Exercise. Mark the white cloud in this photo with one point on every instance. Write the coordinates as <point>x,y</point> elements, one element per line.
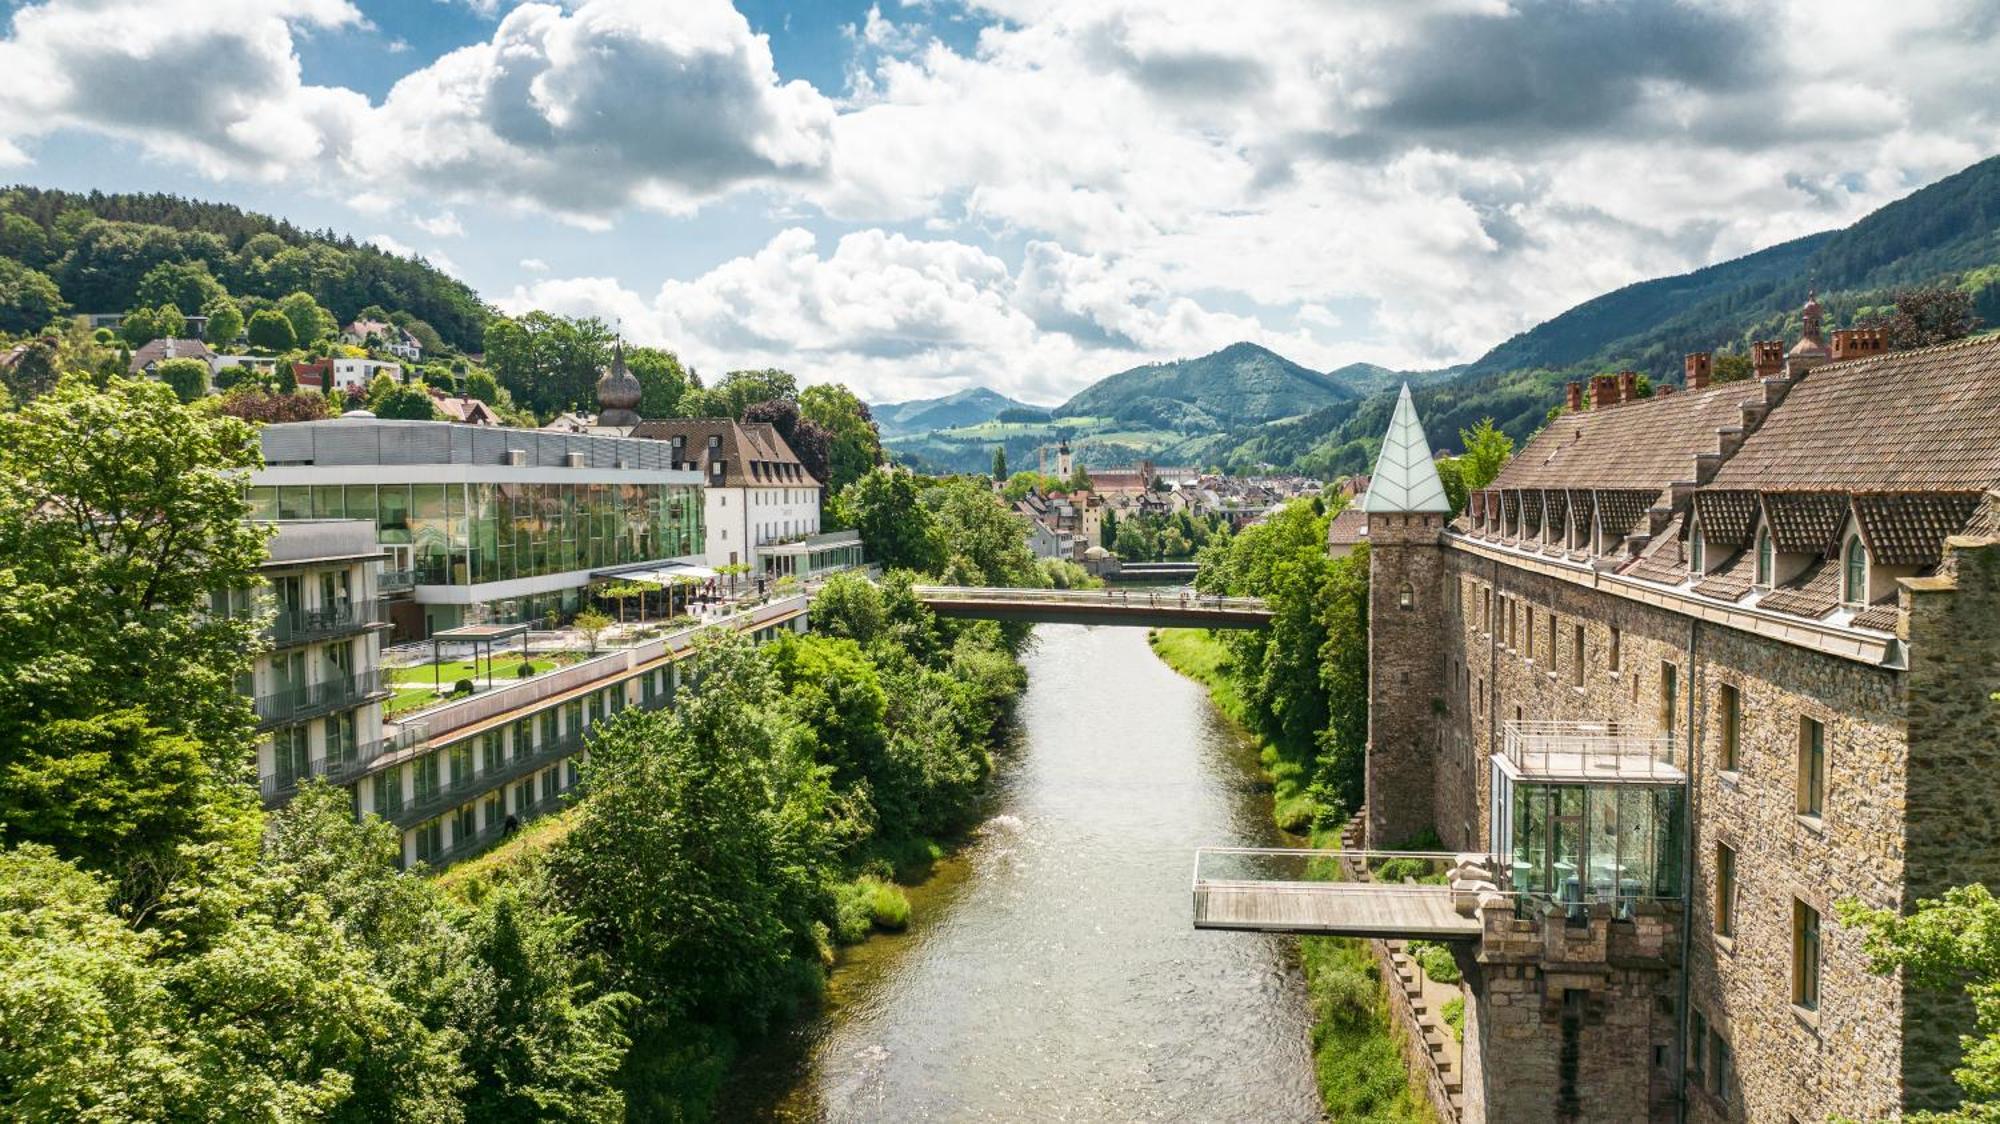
<point>534,265</point>
<point>442,225</point>
<point>390,245</point>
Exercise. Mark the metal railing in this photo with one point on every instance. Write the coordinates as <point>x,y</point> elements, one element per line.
<point>307,700</point>
<point>1590,751</point>
<point>431,801</point>
<point>396,581</point>
<point>300,626</point>
<point>1116,598</point>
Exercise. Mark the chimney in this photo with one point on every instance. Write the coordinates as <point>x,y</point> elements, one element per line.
<point>1768,358</point>
<point>1575,397</point>
<point>1700,365</point>
<point>1628,386</point>
<point>1857,343</point>
<point>1603,392</point>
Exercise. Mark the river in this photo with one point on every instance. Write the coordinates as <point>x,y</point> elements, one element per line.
<point>1050,972</point>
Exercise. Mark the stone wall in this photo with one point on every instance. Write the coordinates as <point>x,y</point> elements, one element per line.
<point>1405,673</point>
<point>1953,629</point>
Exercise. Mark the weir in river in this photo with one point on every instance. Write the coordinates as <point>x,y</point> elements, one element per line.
<point>1051,971</point>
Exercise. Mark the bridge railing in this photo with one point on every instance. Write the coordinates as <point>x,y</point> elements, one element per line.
<point>1146,598</point>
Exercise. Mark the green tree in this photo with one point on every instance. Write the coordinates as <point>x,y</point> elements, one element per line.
<point>849,606</point>
<point>1732,366</point>
<point>1487,451</point>
<point>999,464</point>
<point>1926,316</point>
<point>984,542</point>
<point>29,300</point>
<point>406,402</point>
<point>271,330</point>
<point>483,386</point>
<point>225,321</point>
<point>854,444</point>
<point>662,380</point>
<point>1950,943</point>
<point>140,327</point>
<point>187,377</point>
<point>592,624</point>
<point>33,373</point>
<point>23,240</point>
<point>120,512</point>
<point>1132,543</point>
<point>169,323</point>
<point>898,530</point>
<point>183,284</point>
<point>310,323</point>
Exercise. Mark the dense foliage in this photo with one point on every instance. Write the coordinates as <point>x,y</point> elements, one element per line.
<point>111,253</point>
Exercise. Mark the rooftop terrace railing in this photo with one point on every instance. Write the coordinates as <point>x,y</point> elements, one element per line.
<point>308,700</point>
<point>1590,751</point>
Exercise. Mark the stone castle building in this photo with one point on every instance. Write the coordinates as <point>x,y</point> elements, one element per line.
<point>1695,668</point>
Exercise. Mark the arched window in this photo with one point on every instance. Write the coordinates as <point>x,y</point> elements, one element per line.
<point>1854,572</point>
<point>1766,558</point>
<point>1696,555</point>
<point>1406,597</point>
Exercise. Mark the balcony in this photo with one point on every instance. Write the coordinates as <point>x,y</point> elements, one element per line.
<point>303,626</point>
<point>310,700</point>
<point>1589,753</point>
<point>429,802</point>
<point>396,581</point>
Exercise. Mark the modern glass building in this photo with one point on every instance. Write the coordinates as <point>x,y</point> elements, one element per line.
<point>516,521</point>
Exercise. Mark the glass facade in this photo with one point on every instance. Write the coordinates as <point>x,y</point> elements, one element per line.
<point>467,534</point>
<point>1572,843</point>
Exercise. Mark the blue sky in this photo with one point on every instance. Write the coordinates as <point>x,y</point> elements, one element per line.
<point>913,197</point>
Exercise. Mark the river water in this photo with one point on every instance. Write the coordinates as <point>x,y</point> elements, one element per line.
<point>1050,972</point>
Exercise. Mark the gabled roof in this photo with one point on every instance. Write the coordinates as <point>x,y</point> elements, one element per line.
<point>752,454</point>
<point>157,350</point>
<point>1646,444</point>
<point>1926,420</point>
<point>1405,478</point>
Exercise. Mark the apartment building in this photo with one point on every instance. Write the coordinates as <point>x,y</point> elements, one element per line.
<point>1695,668</point>
<point>483,523</point>
<point>758,494</point>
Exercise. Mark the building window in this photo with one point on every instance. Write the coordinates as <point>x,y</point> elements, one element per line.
<point>1812,767</point>
<point>1732,727</point>
<point>1576,656</point>
<point>389,792</point>
<point>1612,651</point>
<point>1725,891</point>
<point>1766,558</point>
<point>1406,597</point>
<point>291,750</point>
<point>1805,956</point>
<point>1697,555</point>
<point>1721,1063</point>
<point>1670,693</point>
<point>1854,572</point>
<point>1528,631</point>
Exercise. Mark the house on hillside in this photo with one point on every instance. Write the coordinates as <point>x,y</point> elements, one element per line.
<point>463,410</point>
<point>386,337</point>
<point>147,359</point>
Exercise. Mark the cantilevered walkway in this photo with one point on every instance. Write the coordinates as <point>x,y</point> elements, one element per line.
<point>1144,608</point>
<point>1334,893</point>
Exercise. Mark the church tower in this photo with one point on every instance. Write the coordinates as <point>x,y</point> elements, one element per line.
<point>1406,511</point>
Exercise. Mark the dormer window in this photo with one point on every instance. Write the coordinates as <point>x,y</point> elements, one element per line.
<point>1697,556</point>
<point>1854,572</point>
<point>715,441</point>
<point>1766,558</point>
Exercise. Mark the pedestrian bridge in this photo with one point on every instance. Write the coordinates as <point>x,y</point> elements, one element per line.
<point>1143,608</point>
<point>1384,894</point>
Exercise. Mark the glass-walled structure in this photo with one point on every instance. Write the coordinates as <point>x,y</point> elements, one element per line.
<point>472,533</point>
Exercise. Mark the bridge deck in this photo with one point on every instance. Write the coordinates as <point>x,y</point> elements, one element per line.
<point>1143,608</point>
<point>1347,909</point>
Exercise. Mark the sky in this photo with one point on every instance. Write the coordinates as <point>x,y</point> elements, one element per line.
<point>917,196</point>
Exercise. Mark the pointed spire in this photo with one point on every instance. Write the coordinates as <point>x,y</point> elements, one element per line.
<point>1405,479</point>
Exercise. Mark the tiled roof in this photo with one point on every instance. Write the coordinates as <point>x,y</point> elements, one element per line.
<point>1510,503</point>
<point>1805,522</point>
<point>1555,513</point>
<point>1649,443</point>
<point>1984,522</point>
<point>1725,515</point>
<point>1731,580</point>
<point>1912,421</point>
<point>1880,616</point>
<point>1813,594</point>
<point>158,350</point>
<point>1349,527</point>
<point>1582,511</point>
<point>1909,529</point>
<point>1663,560</point>
<point>1619,511</point>
<point>752,454</point>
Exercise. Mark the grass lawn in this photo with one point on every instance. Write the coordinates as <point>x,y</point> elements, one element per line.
<point>538,834</point>
<point>416,687</point>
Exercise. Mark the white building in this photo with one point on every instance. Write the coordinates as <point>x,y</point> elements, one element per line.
<point>758,494</point>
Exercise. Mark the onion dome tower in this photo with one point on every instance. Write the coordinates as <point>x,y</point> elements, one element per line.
<point>618,392</point>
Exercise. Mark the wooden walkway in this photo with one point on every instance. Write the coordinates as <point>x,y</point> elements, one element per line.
<point>1346,909</point>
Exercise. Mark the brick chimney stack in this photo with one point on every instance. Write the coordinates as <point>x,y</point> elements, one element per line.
<point>1857,343</point>
<point>1603,392</point>
<point>1575,397</point>
<point>1768,358</point>
<point>1628,386</point>
<point>1700,365</point>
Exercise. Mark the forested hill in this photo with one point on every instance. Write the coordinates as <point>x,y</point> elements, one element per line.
<point>1945,234</point>
<point>96,248</point>
<point>1242,383</point>
<point>966,407</point>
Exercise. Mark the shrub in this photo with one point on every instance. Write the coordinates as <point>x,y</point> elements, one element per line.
<point>525,670</point>
<point>1454,1016</point>
<point>868,903</point>
<point>1436,961</point>
<point>888,906</point>
<point>462,687</point>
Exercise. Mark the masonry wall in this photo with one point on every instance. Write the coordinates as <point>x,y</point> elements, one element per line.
<point>1405,673</point>
<point>1844,1058</point>
<point>1953,629</point>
